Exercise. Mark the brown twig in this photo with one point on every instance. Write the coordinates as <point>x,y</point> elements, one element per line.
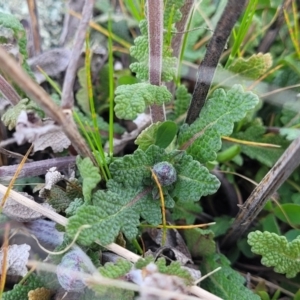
<point>67,100</point>
<point>8,91</point>
<point>155,36</point>
<point>16,73</point>
<point>213,53</point>
<point>34,21</point>
<point>37,168</point>
<point>283,168</point>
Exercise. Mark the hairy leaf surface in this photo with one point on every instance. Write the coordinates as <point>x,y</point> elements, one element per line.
<point>115,270</point>
<point>276,252</point>
<point>202,139</point>
<point>140,51</point>
<point>200,241</point>
<point>226,283</point>
<point>193,179</point>
<point>253,67</point>
<point>148,136</point>
<point>182,101</point>
<point>133,98</point>
<point>115,210</point>
<point>266,156</point>
<point>90,176</point>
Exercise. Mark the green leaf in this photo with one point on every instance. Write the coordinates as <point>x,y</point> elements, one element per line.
<point>115,270</point>
<point>266,156</point>
<point>253,67</point>
<point>290,133</point>
<point>13,33</point>
<point>132,99</point>
<point>289,210</point>
<point>160,134</point>
<point>182,102</point>
<point>147,137</point>
<point>193,181</point>
<point>202,139</point>
<point>82,94</point>
<point>187,210</point>
<point>222,225</point>
<point>74,205</point>
<point>292,234</point>
<point>290,113</point>
<point>118,209</point>
<point>276,252</point>
<point>165,134</point>
<point>11,115</point>
<point>90,176</point>
<point>140,51</point>
<point>172,12</point>
<point>20,291</point>
<point>228,154</point>
<point>132,170</point>
<point>226,283</point>
<point>58,199</point>
<point>270,223</point>
<point>199,18</point>
<point>200,241</point>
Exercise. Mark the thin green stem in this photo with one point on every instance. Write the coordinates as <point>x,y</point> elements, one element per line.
<point>96,137</point>
<point>239,37</point>
<point>135,9</point>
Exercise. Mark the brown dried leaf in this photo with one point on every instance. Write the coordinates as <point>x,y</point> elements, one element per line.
<point>21,213</point>
<point>30,128</point>
<point>52,62</point>
<point>57,140</point>
<point>39,294</point>
<point>173,240</point>
<point>17,258</point>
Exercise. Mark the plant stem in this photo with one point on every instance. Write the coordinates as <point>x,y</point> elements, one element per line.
<point>34,20</point>
<point>37,168</point>
<point>8,91</point>
<point>67,101</point>
<point>283,168</point>
<point>155,36</point>
<point>214,51</point>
